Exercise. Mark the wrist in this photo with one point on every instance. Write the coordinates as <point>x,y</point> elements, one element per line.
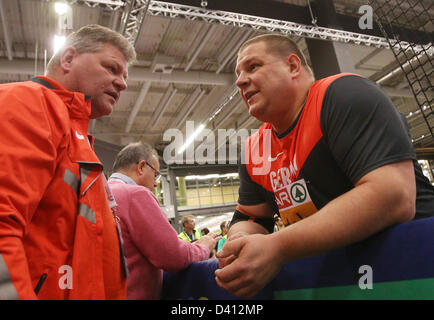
<point>282,253</point>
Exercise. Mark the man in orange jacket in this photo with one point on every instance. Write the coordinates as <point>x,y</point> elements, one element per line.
<point>58,234</point>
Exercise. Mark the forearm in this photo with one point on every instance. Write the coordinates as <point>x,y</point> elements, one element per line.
<point>350,218</point>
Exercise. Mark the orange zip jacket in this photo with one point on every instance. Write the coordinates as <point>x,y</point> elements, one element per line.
<point>57,233</point>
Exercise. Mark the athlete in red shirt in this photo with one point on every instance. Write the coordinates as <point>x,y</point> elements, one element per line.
<point>333,159</point>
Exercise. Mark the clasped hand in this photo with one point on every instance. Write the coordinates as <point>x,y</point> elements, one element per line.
<point>247,263</point>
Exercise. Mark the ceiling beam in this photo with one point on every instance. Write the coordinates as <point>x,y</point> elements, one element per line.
<point>5,26</point>
<point>204,42</point>
<point>415,59</point>
<point>244,37</point>
<point>27,67</point>
<point>162,106</point>
<point>368,57</point>
<point>217,125</point>
<point>191,103</point>
<point>138,104</point>
<point>178,76</point>
<point>397,92</point>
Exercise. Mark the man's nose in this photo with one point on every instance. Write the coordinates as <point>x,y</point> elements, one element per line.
<point>121,83</point>
<point>242,80</point>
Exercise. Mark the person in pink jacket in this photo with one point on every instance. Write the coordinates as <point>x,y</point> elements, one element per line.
<point>150,242</point>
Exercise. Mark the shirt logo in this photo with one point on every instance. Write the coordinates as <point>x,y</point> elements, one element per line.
<point>271,159</point>
<point>298,192</point>
<point>79,136</point>
<point>294,202</point>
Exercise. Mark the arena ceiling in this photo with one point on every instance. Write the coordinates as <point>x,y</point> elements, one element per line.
<point>186,57</point>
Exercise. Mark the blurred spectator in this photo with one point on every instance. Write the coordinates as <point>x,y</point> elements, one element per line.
<point>224,230</point>
<point>151,244</point>
<point>278,224</point>
<point>190,234</point>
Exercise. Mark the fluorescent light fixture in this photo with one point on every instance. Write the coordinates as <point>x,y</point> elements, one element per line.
<point>58,42</point>
<point>205,177</point>
<point>191,138</point>
<point>229,175</point>
<point>61,8</point>
<point>211,176</point>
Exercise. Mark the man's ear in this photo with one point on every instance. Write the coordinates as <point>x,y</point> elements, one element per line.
<point>294,64</point>
<point>67,58</point>
<point>140,167</point>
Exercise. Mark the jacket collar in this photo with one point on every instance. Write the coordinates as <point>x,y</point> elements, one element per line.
<point>78,104</point>
<point>122,177</point>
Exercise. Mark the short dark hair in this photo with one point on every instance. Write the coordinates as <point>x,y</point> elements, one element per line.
<point>277,43</point>
<point>132,154</point>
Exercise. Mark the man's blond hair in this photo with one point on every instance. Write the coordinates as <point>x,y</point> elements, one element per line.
<point>278,44</point>
<point>91,38</point>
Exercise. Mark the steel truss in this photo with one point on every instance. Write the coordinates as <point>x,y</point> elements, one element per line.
<point>135,10</point>
<point>109,4</point>
<point>259,23</point>
<point>133,18</point>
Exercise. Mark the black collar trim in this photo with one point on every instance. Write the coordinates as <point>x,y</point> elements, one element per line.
<point>42,82</point>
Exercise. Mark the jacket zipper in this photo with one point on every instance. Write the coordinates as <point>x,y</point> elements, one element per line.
<point>40,283</point>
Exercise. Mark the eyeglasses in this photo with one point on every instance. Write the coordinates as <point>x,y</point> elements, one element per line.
<point>156,172</point>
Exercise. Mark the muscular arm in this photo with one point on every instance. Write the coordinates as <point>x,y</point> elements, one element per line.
<point>381,198</point>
